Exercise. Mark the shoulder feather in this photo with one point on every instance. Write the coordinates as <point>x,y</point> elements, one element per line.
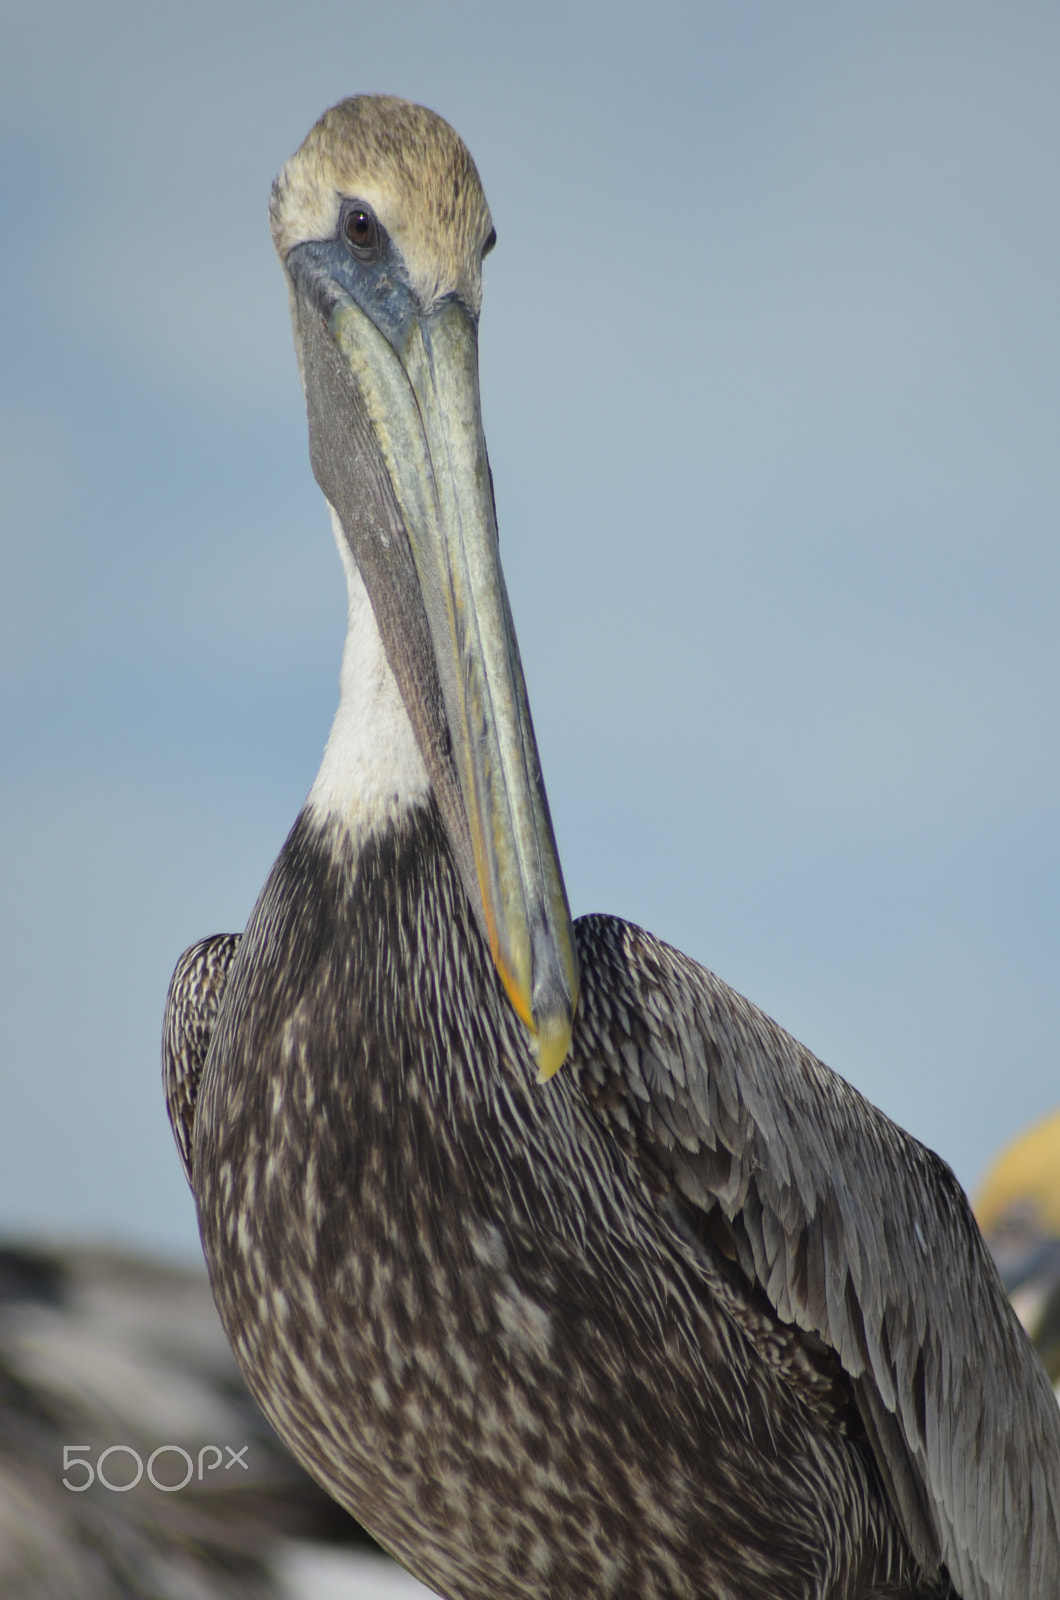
<point>195,994</point>
<point>856,1233</point>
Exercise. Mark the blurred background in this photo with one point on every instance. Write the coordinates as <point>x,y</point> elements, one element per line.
<point>771,371</point>
<point>770,358</point>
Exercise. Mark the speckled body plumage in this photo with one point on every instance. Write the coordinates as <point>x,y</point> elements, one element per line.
<point>442,1280</point>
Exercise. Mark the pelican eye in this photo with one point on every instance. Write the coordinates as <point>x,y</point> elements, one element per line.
<point>362,233</point>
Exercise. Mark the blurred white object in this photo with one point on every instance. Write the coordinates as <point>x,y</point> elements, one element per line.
<point>320,1572</point>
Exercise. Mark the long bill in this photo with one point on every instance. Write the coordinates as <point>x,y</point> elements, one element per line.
<point>397,446</point>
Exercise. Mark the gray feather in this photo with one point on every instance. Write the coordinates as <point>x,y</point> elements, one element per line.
<point>195,994</point>
<point>857,1234</point>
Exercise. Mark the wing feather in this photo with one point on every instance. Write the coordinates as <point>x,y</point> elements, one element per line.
<point>855,1232</point>
<point>194,999</point>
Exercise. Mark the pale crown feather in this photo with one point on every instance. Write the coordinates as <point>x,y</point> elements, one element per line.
<point>414,171</point>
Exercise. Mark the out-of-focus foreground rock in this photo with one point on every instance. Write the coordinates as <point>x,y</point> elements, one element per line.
<point>115,1369</point>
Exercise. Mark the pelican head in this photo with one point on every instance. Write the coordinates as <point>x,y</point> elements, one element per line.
<point>381,224</point>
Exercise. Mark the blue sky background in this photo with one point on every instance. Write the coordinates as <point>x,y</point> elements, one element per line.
<point>771,372</point>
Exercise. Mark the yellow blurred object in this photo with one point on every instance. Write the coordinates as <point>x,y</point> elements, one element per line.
<point>1025,1176</point>
<point>1018,1207</point>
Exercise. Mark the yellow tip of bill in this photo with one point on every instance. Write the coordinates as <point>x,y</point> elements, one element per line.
<point>551,1047</point>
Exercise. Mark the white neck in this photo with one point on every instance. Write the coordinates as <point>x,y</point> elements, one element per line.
<point>372,770</point>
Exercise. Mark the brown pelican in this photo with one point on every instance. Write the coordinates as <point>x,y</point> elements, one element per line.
<point>688,1318</point>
